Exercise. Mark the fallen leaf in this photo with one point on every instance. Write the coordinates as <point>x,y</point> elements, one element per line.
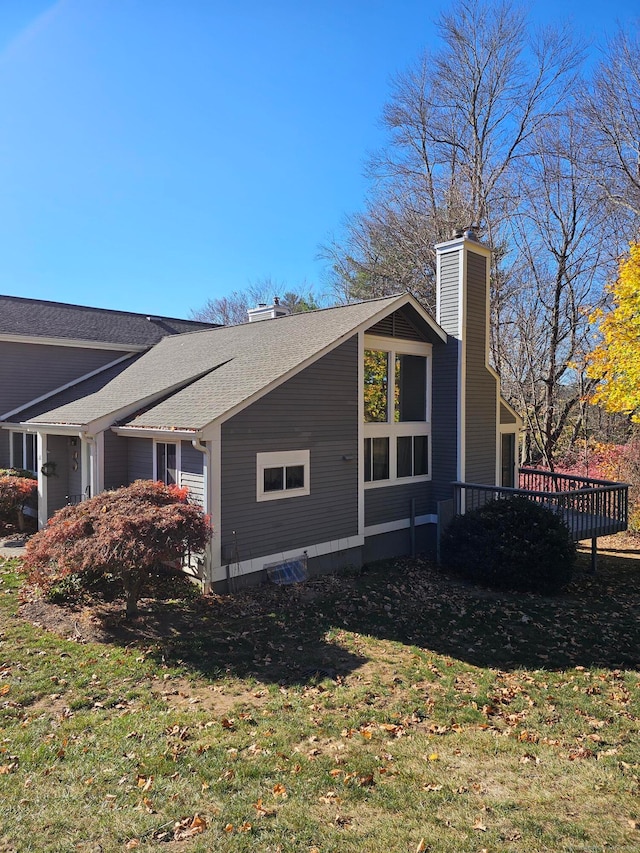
<point>479,825</point>
<point>422,846</point>
<point>279,790</point>
<point>145,782</point>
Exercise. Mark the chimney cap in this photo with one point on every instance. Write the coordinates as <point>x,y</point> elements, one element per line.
<point>468,231</point>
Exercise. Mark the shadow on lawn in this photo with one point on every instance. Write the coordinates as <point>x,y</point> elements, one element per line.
<point>281,634</point>
<point>298,634</point>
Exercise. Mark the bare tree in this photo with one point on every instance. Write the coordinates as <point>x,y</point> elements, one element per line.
<point>610,105</point>
<point>565,241</point>
<point>231,309</point>
<point>457,124</point>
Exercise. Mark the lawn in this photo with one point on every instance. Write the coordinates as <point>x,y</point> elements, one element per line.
<point>390,710</point>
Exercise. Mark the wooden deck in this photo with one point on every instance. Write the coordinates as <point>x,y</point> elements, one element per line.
<point>590,508</point>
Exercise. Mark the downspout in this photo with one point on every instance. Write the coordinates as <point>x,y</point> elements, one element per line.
<point>197,444</point>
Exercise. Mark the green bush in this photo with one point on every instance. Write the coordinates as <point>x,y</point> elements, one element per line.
<point>512,544</point>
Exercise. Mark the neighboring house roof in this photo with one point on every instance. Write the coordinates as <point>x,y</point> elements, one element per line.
<point>188,381</point>
<point>37,318</point>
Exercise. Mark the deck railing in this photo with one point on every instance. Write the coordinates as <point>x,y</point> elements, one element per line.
<point>589,507</point>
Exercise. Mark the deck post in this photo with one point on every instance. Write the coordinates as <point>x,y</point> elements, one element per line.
<point>594,555</point>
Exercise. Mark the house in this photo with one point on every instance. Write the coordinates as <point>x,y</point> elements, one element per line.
<point>46,346</point>
<point>329,436</point>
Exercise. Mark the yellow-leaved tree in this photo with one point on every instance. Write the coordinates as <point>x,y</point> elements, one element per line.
<point>616,359</point>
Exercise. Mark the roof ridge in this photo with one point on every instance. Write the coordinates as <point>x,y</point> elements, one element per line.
<point>296,314</point>
<point>103,310</point>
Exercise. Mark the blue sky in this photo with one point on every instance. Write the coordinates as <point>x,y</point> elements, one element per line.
<point>154,153</point>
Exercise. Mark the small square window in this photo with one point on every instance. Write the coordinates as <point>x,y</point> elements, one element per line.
<point>282,474</point>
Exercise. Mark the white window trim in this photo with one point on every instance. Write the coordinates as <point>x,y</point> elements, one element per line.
<point>282,459</point>
<point>391,429</point>
<point>178,444</point>
<point>12,461</point>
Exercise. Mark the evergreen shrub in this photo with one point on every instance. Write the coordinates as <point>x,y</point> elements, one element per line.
<point>511,543</point>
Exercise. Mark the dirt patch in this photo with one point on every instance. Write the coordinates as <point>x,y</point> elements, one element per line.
<point>214,616</point>
<point>619,545</point>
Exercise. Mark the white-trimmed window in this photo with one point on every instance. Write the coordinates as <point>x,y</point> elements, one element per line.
<point>166,461</point>
<point>397,411</point>
<point>24,451</point>
<point>282,474</point>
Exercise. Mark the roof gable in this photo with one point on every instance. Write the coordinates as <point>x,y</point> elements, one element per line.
<point>199,378</point>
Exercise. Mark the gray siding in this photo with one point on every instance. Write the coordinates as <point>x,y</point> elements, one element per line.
<point>139,459</point>
<point>481,387</point>
<point>394,502</point>
<point>396,325</point>
<point>444,420</point>
<point>192,472</point>
<point>58,483</point>
<point>29,370</point>
<point>74,483</point>
<point>317,410</point>
<point>450,291</point>
<point>115,460</point>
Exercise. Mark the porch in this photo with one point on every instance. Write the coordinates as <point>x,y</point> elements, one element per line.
<point>590,508</point>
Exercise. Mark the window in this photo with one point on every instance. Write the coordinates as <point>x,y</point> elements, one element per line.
<point>166,463</point>
<point>413,455</point>
<point>396,396</point>
<point>24,452</point>
<point>376,459</point>
<point>282,474</point>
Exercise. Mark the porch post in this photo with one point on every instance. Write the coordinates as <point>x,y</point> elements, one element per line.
<point>85,466</point>
<point>92,464</point>
<point>42,481</point>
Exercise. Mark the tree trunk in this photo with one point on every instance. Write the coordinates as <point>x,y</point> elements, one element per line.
<point>132,585</point>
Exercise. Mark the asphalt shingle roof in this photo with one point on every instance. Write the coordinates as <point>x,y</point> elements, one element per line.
<point>39,318</point>
<point>195,378</point>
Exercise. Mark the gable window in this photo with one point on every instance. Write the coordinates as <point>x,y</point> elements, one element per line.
<point>166,462</point>
<point>24,452</point>
<point>397,402</point>
<point>282,474</point>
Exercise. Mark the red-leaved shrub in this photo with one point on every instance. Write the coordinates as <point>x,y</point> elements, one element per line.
<point>618,462</point>
<point>15,491</point>
<point>129,532</point>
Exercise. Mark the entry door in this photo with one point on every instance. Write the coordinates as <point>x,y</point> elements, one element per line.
<point>508,458</point>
